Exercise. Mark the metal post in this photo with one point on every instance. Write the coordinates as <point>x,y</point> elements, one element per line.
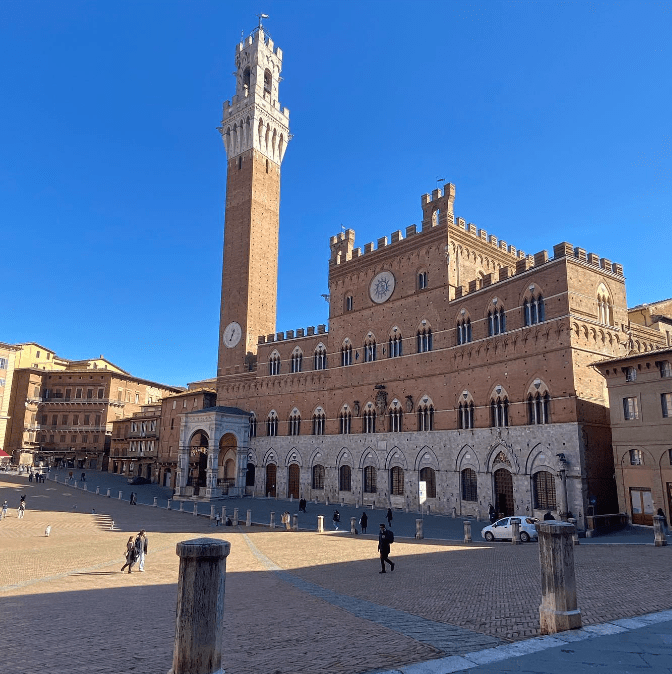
<point>419,532</point>
<point>199,625</point>
<point>467,531</point>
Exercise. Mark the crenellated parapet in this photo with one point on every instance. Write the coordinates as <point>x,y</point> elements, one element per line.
<point>293,334</point>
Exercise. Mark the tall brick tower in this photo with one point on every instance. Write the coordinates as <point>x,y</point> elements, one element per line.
<point>255,130</point>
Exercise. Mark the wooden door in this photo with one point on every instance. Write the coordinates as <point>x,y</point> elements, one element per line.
<point>504,492</point>
<point>271,473</point>
<point>293,487</point>
<point>641,503</point>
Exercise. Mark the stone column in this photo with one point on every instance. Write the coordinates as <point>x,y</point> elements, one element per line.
<point>97,490</point>
<point>248,519</point>
<point>235,517</point>
<point>467,531</point>
<point>223,514</point>
<point>182,470</point>
<point>515,532</point>
<point>168,504</point>
<point>212,512</point>
<point>108,492</point>
<point>353,525</point>
<point>575,535</point>
<point>155,504</point>
<point>558,611</point>
<point>562,510</point>
<point>419,531</point>
<point>86,488</point>
<point>120,495</point>
<point>320,524</point>
<point>659,531</point>
<point>195,509</point>
<point>200,606</point>
<point>272,523</point>
<point>181,506</point>
<point>295,522</point>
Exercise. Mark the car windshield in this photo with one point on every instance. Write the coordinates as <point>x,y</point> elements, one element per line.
<point>530,520</point>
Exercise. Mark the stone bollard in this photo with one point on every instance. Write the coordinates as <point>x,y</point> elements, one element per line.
<point>659,531</point>
<point>353,525</point>
<point>419,532</point>
<point>111,525</point>
<point>467,531</point>
<point>155,504</point>
<point>168,505</point>
<point>575,535</point>
<point>295,522</point>
<point>558,611</point>
<point>224,514</point>
<point>248,519</point>
<point>454,512</point>
<point>108,492</point>
<point>97,490</point>
<point>235,517</point>
<point>86,488</point>
<point>272,522</point>
<point>121,493</point>
<point>181,506</point>
<point>320,524</point>
<point>199,627</point>
<point>515,531</point>
<point>326,501</point>
<point>195,513</point>
<point>212,512</point>
<point>291,498</point>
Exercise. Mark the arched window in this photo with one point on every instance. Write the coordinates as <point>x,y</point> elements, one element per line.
<point>424,337</point>
<point>319,419</point>
<point>267,80</point>
<point>344,478</point>
<point>544,490</point>
<point>369,349</point>
<point>636,457</point>
<point>465,411</point>
<point>395,416</point>
<point>246,77</point>
<point>318,476</point>
<point>605,306</point>
<point>274,363</point>
<point>320,357</point>
<point>346,353</point>
<point>464,331</point>
<point>394,345</point>
<point>538,408</point>
<point>397,481</point>
<point>369,420</point>
<point>297,360</point>
<point>295,422</point>
<point>272,424</point>
<point>435,217</point>
<point>426,415</point>
<point>499,411</point>
<point>370,480</point>
<point>344,421</point>
<point>348,302</point>
<point>253,425</point>
<point>428,476</point>
<point>496,321</point>
<point>423,280</point>
<point>469,485</point>
<point>534,309</point>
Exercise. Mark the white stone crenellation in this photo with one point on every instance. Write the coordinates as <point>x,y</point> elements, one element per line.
<point>254,118</point>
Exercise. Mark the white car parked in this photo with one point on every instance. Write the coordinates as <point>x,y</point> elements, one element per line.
<point>501,529</point>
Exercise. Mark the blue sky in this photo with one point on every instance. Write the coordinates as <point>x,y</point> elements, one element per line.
<point>553,119</point>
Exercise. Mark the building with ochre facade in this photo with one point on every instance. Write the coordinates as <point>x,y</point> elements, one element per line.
<point>451,356</point>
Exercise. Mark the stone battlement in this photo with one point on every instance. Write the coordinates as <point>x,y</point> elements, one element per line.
<point>291,334</point>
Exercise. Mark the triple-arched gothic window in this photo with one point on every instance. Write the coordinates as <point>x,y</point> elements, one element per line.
<point>297,360</point>
<point>534,308</point>
<point>426,415</point>
<point>395,416</point>
<point>538,408</point>
<point>272,424</point>
<point>369,348</point>
<point>499,410</point>
<point>344,420</point>
<point>253,425</point>
<point>295,422</point>
<point>394,344</point>
<point>320,358</point>
<point>464,331</point>
<point>319,419</point>
<point>424,337</point>
<point>496,321</point>
<point>346,353</point>
<point>274,363</point>
<point>369,419</point>
<point>465,411</point>
<point>605,306</point>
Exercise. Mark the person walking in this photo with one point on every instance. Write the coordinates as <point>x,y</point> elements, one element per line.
<point>385,538</point>
<point>492,513</point>
<point>130,554</point>
<point>5,506</point>
<point>22,510</point>
<point>363,522</point>
<point>336,519</point>
<point>141,549</point>
<point>389,517</point>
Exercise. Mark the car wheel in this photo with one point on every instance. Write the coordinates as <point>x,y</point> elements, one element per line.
<point>489,537</point>
<point>524,536</point>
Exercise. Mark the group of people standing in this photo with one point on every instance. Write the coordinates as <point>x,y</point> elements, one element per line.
<point>20,511</point>
<point>136,549</point>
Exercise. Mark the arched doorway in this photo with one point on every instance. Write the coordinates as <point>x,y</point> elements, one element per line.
<point>294,481</point>
<point>226,462</point>
<point>249,475</point>
<point>271,475</point>
<point>199,454</point>
<point>504,493</point>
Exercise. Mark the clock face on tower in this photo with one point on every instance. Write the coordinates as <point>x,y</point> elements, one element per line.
<point>232,334</point>
<point>382,287</point>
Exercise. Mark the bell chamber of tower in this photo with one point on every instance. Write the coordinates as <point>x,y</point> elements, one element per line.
<point>255,131</point>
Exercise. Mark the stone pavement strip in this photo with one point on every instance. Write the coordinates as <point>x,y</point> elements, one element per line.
<point>296,602</point>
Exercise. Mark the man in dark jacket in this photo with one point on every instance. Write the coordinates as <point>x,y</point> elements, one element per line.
<point>384,548</point>
<point>141,549</point>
